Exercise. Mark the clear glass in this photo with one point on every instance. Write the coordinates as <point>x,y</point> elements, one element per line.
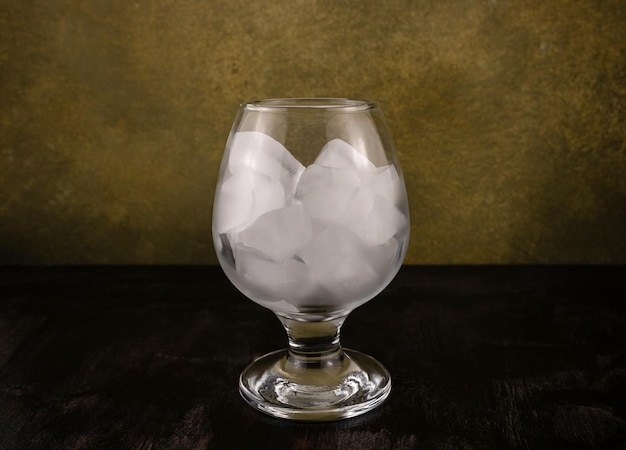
<point>311,220</point>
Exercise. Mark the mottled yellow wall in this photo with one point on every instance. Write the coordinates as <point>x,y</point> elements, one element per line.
<point>509,117</point>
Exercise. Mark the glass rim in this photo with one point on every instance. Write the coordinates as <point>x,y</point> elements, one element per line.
<point>301,103</point>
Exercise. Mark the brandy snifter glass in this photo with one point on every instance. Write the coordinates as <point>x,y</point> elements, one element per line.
<point>311,220</point>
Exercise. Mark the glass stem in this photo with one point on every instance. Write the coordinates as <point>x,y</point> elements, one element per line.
<point>314,344</point>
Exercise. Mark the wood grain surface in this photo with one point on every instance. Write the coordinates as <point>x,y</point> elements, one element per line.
<point>148,358</point>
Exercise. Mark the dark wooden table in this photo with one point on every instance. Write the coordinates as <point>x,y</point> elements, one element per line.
<point>148,358</point>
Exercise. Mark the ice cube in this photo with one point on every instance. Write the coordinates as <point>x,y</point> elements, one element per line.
<point>383,221</point>
<point>327,203</point>
<point>325,191</point>
<point>386,183</point>
<point>372,217</point>
<point>223,249</point>
<point>357,210</point>
<point>315,176</point>
<point>278,234</point>
<point>342,263</point>
<point>361,131</point>
<point>261,152</point>
<point>384,257</point>
<point>339,154</point>
<point>284,306</point>
<point>243,197</point>
<point>288,282</point>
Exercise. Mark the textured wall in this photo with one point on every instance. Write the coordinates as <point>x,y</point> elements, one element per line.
<point>509,118</point>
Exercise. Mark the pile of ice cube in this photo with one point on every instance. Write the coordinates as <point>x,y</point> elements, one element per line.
<point>324,234</point>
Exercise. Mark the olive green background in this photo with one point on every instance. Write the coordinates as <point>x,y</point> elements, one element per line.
<point>508,116</point>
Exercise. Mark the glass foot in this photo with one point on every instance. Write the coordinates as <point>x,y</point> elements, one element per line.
<point>345,385</point>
